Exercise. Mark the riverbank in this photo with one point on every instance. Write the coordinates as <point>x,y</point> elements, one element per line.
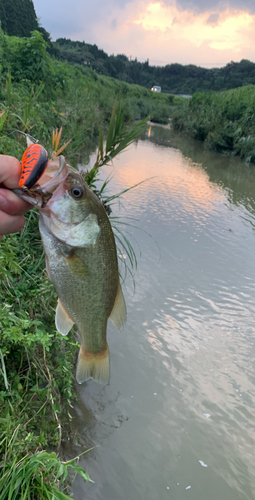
<point>224,121</point>
<point>40,95</point>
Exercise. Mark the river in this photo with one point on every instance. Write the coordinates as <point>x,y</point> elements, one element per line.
<point>177,419</point>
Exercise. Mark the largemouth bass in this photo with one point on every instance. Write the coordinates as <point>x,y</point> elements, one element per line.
<point>81,261</point>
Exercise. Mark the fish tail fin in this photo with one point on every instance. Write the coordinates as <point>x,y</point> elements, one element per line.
<point>93,365</point>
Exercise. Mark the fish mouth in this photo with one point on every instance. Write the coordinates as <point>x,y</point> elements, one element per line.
<point>55,173</point>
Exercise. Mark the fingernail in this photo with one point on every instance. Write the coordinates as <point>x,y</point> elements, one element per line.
<point>3,201</point>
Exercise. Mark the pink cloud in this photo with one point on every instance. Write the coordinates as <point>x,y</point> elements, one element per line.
<point>164,32</point>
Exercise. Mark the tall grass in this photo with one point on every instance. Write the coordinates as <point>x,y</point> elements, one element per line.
<point>39,476</point>
<point>36,373</point>
<point>225,121</point>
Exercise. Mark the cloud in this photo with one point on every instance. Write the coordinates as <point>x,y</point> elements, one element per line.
<point>114,24</point>
<point>202,6</point>
<point>167,31</point>
<point>213,18</point>
<point>229,31</point>
<point>66,19</point>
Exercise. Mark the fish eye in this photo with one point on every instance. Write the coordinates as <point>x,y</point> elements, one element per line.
<point>77,192</point>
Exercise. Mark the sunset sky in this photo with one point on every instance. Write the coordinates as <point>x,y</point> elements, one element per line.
<point>200,32</point>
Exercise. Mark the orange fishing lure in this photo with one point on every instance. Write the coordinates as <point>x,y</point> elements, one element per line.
<point>34,162</point>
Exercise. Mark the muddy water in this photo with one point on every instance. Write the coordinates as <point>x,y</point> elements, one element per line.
<point>177,420</point>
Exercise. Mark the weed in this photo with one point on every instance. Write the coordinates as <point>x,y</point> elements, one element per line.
<point>225,121</point>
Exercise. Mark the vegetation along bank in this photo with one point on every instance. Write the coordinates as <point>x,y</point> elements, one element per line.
<point>173,78</point>
<point>225,121</point>
<point>40,95</point>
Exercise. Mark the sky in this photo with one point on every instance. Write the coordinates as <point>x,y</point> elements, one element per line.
<point>207,33</point>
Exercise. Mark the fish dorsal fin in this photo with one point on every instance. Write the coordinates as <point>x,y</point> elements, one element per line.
<point>77,266</point>
<point>118,315</point>
<point>63,321</point>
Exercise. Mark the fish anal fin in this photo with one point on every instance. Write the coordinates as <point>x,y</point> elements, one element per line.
<point>77,266</point>
<point>63,321</point>
<point>118,315</point>
<point>93,365</point>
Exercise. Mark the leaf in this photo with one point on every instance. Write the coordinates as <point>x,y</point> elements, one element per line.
<point>119,137</point>
<point>81,472</point>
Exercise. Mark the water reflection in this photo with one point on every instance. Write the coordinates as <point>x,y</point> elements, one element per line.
<point>181,394</point>
<point>230,173</point>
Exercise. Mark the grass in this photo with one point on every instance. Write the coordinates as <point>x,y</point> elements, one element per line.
<point>41,475</point>
<point>224,121</point>
<point>36,379</point>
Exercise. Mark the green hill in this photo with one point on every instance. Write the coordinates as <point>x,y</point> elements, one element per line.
<point>173,78</point>
<point>18,18</point>
<point>39,93</point>
<point>76,89</point>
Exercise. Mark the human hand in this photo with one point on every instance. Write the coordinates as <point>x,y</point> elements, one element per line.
<point>12,207</point>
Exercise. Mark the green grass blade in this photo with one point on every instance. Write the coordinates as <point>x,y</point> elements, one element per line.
<point>4,371</point>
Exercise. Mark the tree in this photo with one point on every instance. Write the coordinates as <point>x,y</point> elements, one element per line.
<point>18,17</point>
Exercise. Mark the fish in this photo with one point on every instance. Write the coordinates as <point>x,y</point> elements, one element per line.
<point>81,261</point>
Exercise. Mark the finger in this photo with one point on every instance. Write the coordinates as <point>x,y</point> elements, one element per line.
<point>10,171</point>
<point>11,223</point>
<point>11,203</point>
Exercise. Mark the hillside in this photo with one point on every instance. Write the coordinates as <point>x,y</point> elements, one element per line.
<point>18,18</point>
<point>39,93</point>
<point>173,78</point>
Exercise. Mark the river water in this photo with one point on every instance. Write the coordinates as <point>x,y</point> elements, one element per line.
<point>177,419</point>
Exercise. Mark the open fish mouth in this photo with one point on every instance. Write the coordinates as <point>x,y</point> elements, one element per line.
<point>39,195</point>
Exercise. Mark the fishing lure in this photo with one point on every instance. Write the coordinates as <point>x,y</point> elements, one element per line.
<point>34,162</point>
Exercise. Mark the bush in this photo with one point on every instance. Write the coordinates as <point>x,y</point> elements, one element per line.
<point>224,121</point>
<point>27,57</point>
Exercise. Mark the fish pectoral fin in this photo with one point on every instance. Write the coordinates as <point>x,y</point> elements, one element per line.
<point>93,365</point>
<point>63,321</point>
<point>77,266</point>
<point>118,315</point>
